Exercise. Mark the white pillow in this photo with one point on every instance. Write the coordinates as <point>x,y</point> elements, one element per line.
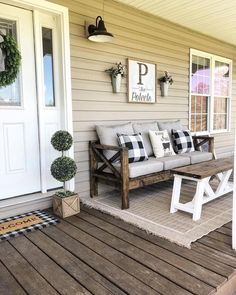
<point>161,143</point>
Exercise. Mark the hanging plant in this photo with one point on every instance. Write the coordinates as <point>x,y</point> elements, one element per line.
<point>12,60</point>
<point>165,81</point>
<point>116,73</point>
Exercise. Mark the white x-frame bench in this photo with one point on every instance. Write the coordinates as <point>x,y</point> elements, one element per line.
<point>201,173</point>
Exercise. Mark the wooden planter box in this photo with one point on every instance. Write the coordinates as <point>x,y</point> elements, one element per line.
<point>64,207</point>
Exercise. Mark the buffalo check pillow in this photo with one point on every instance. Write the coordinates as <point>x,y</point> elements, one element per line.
<point>183,141</point>
<point>135,145</point>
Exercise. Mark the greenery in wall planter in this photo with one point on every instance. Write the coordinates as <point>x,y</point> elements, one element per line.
<point>165,81</point>
<point>117,73</point>
<point>63,169</point>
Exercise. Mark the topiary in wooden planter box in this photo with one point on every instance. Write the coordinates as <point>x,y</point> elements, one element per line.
<point>67,206</point>
<point>63,169</point>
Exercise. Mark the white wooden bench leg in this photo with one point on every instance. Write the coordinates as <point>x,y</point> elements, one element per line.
<point>198,200</point>
<point>175,193</point>
<point>224,183</point>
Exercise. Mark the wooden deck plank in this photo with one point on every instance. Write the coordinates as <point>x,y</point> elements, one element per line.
<point>8,282</point>
<point>195,256</point>
<point>131,259</point>
<point>91,280</point>
<point>164,269</point>
<point>228,225</point>
<point>115,274</point>
<point>218,245</point>
<point>47,268</point>
<point>221,237</point>
<point>25,274</point>
<point>225,230</point>
<point>179,262</point>
<point>216,254</point>
<point>105,255</point>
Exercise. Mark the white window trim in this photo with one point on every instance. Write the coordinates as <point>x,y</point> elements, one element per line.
<point>212,57</point>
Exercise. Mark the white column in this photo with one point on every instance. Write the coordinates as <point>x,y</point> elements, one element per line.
<point>234,198</point>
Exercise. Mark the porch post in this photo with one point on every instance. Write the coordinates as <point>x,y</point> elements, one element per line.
<point>234,198</point>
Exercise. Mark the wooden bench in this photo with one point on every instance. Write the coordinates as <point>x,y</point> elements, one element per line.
<point>99,164</point>
<point>201,173</point>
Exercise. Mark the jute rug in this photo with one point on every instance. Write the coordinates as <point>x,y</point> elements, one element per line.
<point>149,210</point>
<point>28,222</point>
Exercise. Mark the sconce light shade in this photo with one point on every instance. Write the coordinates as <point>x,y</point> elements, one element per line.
<point>99,33</point>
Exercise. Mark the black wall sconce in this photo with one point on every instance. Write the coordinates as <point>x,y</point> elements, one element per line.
<point>98,32</point>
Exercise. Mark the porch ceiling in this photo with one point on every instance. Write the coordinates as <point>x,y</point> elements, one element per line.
<point>215,18</point>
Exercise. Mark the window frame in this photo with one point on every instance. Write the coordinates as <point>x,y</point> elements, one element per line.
<point>210,118</point>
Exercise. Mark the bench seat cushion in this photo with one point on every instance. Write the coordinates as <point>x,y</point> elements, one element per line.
<point>174,161</point>
<point>198,157</point>
<point>152,165</point>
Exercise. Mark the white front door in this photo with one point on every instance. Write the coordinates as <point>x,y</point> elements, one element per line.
<point>19,136</point>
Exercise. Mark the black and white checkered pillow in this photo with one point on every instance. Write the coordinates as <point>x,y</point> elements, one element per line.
<point>183,142</point>
<point>135,145</point>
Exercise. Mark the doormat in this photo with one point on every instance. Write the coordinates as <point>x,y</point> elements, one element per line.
<point>14,226</point>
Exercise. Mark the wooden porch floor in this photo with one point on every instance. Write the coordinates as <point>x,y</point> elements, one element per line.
<point>94,253</point>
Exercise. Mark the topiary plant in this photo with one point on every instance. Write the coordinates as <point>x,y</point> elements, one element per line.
<point>63,168</point>
<point>62,141</point>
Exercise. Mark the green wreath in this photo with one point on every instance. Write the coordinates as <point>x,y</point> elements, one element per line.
<point>12,61</point>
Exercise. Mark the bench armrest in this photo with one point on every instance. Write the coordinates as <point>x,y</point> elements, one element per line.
<point>96,154</point>
<point>199,140</point>
<point>203,137</point>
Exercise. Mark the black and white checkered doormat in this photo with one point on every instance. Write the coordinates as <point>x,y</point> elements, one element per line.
<point>10,227</point>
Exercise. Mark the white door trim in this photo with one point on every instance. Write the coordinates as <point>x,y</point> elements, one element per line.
<point>63,14</point>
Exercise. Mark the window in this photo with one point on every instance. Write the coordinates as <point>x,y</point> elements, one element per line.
<point>210,92</point>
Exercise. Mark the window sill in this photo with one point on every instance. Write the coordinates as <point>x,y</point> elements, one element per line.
<point>210,133</point>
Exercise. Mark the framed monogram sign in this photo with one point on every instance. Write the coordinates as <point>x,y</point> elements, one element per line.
<point>141,82</point>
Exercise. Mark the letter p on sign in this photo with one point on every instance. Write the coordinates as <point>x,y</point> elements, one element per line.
<point>142,71</point>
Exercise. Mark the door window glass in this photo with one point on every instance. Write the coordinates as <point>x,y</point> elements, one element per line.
<point>49,95</point>
<point>9,95</point>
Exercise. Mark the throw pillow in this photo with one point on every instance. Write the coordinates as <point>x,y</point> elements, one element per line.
<point>144,128</point>
<point>161,143</point>
<point>135,145</point>
<point>183,141</point>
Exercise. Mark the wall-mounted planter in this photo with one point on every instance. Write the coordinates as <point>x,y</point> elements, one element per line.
<point>164,88</point>
<point>116,83</point>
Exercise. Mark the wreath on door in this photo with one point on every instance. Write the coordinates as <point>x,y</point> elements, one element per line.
<point>10,60</point>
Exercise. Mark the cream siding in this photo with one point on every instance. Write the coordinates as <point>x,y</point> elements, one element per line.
<point>140,36</point>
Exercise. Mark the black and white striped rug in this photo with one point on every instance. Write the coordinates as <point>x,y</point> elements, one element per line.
<point>24,223</point>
